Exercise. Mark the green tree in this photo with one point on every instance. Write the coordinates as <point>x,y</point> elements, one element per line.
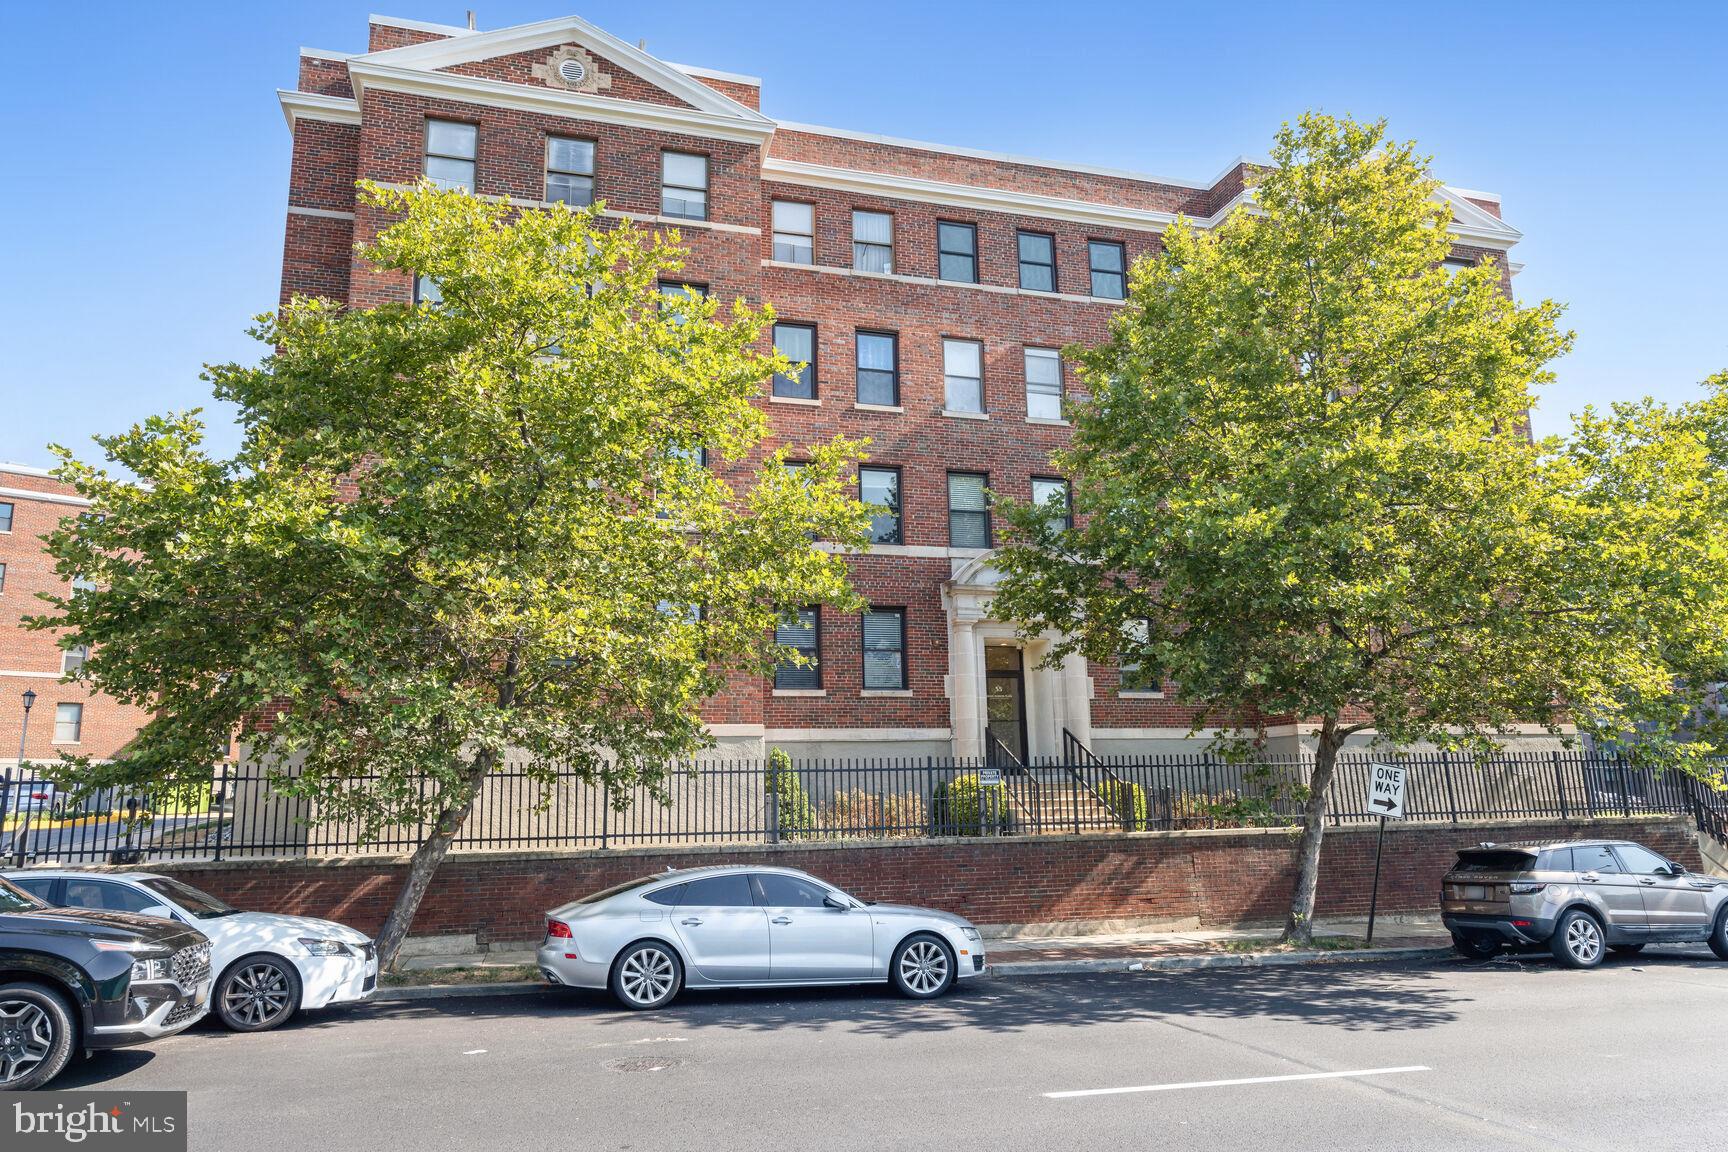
<point>1305,466</point>
<point>457,531</point>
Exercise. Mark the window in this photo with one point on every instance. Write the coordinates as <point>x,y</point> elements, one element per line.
<point>881,486</point>
<point>872,242</point>
<point>1138,676</point>
<point>1594,858</point>
<point>1109,271</point>
<point>1037,261</point>
<point>683,185</point>
<point>963,375</point>
<point>673,295</point>
<point>68,723</point>
<point>957,252</point>
<point>968,510</point>
<point>796,342</point>
<point>427,291</point>
<point>38,886</point>
<point>1640,860</point>
<point>73,658</point>
<point>1555,860</point>
<point>780,891</point>
<point>1043,383</point>
<point>110,897</point>
<point>794,232</point>
<point>667,896</point>
<point>1455,265</point>
<point>885,648</point>
<point>570,171</point>
<point>5,517</point>
<point>879,369</point>
<point>450,151</point>
<point>731,890</point>
<point>2,577</point>
<point>799,633</point>
<point>1054,490</point>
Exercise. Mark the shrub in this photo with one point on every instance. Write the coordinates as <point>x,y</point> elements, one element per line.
<point>797,814</point>
<point>1127,802</point>
<point>965,806</point>
<point>860,813</point>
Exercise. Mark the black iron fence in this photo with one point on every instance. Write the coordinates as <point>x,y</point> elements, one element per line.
<point>243,812</point>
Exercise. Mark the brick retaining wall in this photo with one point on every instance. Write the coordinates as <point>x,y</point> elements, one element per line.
<point>1212,877</point>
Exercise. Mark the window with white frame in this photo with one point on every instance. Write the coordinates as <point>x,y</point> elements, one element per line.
<point>872,241</point>
<point>451,147</point>
<point>1044,383</point>
<point>885,648</point>
<point>427,291</point>
<point>968,510</point>
<point>796,342</point>
<point>684,185</point>
<point>1138,674</point>
<point>800,633</point>
<point>794,232</point>
<point>963,375</point>
<point>68,723</point>
<point>1052,492</point>
<point>2,577</point>
<point>570,171</point>
<point>72,659</point>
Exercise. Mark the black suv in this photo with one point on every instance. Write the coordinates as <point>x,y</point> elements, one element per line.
<point>77,978</point>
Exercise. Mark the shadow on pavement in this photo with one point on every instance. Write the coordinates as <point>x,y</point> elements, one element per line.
<point>102,1067</point>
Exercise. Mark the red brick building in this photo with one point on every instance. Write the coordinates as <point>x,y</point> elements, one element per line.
<point>926,287</point>
<point>65,717</point>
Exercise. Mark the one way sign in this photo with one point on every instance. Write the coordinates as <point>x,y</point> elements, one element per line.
<point>1386,790</point>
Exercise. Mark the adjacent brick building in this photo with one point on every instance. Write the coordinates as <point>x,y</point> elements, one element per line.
<point>927,287</point>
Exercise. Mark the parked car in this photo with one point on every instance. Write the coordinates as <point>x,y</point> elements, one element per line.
<point>268,967</point>
<point>1581,899</point>
<point>749,927</point>
<point>77,980</point>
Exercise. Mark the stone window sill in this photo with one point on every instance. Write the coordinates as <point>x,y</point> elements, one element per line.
<point>1137,694</point>
<point>879,407</point>
<point>794,400</point>
<point>800,691</point>
<point>953,415</point>
<point>1046,420</point>
<point>894,692</point>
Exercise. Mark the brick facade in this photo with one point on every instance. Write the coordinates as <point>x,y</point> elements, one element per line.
<point>1209,878</point>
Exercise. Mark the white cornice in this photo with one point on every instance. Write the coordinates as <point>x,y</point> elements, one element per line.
<point>314,106</point>
<point>44,497</point>
<point>326,54</point>
<point>554,102</point>
<point>715,74</point>
<point>24,469</point>
<point>421,25</point>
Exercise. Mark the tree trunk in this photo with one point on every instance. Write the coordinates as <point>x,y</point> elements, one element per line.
<point>1299,928</point>
<point>426,859</point>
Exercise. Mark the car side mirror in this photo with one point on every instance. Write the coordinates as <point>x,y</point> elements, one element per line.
<point>1676,869</point>
<point>835,902</point>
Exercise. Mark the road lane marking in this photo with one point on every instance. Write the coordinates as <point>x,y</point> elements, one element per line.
<point>1233,1083</point>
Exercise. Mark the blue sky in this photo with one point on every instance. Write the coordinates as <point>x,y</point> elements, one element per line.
<point>145,169</point>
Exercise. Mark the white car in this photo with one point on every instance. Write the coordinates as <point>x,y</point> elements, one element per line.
<point>267,967</point>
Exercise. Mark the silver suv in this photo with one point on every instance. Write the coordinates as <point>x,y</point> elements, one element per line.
<point>1580,898</point>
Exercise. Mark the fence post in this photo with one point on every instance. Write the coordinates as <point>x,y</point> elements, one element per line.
<point>1451,793</point>
<point>216,804</point>
<point>605,810</point>
<point>1625,788</point>
<point>1560,785</point>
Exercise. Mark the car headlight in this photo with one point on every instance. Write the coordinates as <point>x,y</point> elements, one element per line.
<point>970,932</point>
<point>152,971</point>
<point>324,947</point>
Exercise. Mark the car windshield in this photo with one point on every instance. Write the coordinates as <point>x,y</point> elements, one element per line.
<point>15,899</point>
<point>608,893</point>
<point>199,904</point>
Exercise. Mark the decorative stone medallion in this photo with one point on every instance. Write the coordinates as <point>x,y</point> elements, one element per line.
<point>572,69</point>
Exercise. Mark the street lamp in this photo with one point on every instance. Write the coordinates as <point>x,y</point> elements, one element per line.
<point>6,778</point>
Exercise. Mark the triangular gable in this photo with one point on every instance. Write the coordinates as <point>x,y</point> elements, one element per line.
<point>1474,222</point>
<point>618,70</point>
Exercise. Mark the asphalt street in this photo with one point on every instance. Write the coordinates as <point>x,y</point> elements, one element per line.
<point>1434,1056</point>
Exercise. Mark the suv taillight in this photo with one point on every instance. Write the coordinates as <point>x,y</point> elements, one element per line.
<point>557,930</point>
<point>1525,889</point>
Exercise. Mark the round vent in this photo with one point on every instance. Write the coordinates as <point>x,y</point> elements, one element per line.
<point>573,71</point>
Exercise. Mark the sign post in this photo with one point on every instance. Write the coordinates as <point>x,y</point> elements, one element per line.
<point>1386,800</point>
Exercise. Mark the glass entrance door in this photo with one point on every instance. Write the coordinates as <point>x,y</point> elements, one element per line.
<point>1005,698</point>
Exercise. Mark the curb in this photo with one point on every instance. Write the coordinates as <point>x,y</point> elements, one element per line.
<point>458,991</point>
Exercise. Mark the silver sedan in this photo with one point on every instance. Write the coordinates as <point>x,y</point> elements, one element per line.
<point>749,927</point>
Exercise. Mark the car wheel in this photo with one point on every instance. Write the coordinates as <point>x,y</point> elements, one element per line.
<point>1577,941</point>
<point>1625,949</point>
<point>646,975</point>
<point>1475,947</point>
<point>36,1036</point>
<point>923,967</point>
<point>258,993</point>
<point>1719,938</point>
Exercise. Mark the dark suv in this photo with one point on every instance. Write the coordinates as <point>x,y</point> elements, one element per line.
<point>75,978</point>
<point>1580,899</point>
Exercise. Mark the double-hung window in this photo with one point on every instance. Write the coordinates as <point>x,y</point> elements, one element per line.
<point>451,147</point>
<point>963,375</point>
<point>1052,492</point>
<point>801,633</point>
<point>968,510</point>
<point>427,291</point>
<point>68,723</point>
<point>794,232</point>
<point>796,342</point>
<point>1138,675</point>
<point>881,487</point>
<point>684,185</point>
<point>872,241</point>
<point>5,517</point>
<point>885,648</point>
<point>2,577</point>
<point>72,659</point>
<point>1109,270</point>
<point>1043,384</point>
<point>879,369</point>
<point>569,171</point>
<point>1037,261</point>
<point>957,252</point>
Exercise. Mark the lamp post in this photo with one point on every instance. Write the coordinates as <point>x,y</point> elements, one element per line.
<point>6,779</point>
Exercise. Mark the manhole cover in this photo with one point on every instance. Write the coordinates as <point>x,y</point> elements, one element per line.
<point>642,1064</point>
